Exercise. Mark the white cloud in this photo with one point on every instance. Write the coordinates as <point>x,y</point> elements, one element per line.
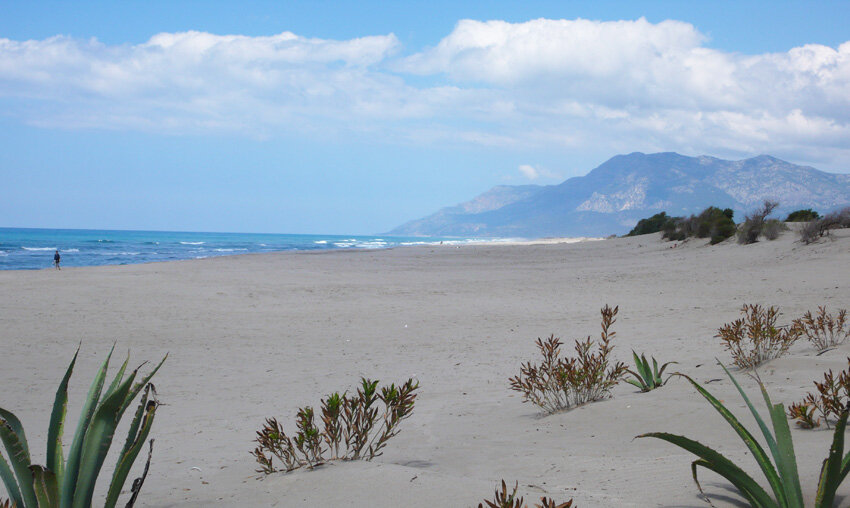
<point>573,85</point>
<point>533,173</point>
<point>529,172</point>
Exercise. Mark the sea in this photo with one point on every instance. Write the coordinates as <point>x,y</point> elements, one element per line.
<point>33,249</point>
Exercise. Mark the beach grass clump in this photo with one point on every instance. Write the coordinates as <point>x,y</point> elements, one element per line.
<point>503,499</point>
<point>70,483</point>
<point>833,395</point>
<point>352,427</point>
<point>780,472</point>
<point>755,338</point>
<point>559,383</point>
<point>823,330</point>
<point>645,377</point>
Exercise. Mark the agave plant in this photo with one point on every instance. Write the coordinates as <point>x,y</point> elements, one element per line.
<point>647,378</point>
<point>70,483</point>
<point>781,473</point>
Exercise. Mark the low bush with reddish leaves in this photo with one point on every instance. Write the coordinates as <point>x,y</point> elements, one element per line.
<point>560,383</point>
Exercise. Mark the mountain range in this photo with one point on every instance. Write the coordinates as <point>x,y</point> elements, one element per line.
<point>611,198</point>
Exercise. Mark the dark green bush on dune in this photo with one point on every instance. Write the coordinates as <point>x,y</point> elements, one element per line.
<point>806,215</point>
<point>711,223</point>
<point>653,224</point>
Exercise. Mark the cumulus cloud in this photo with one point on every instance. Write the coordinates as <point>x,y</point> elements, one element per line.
<point>533,173</point>
<point>569,84</point>
<point>529,172</point>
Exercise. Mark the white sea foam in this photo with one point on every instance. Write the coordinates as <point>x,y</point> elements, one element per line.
<point>70,250</point>
<point>192,243</point>
<point>321,242</point>
<point>38,248</point>
<point>375,244</point>
<point>343,244</point>
<point>201,257</point>
<point>227,250</point>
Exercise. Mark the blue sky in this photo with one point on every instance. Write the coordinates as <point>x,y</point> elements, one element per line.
<point>353,117</point>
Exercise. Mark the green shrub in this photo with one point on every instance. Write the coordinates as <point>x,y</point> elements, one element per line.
<point>502,499</point>
<point>781,473</point>
<point>647,378</point>
<point>711,223</point>
<point>806,215</point>
<point>353,428</point>
<point>754,223</point>
<point>653,224</point>
<point>70,484</point>
<point>772,229</point>
<point>559,383</point>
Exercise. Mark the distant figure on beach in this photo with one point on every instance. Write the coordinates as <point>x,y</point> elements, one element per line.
<point>56,258</point>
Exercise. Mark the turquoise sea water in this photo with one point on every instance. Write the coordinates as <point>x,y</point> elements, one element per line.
<point>32,249</point>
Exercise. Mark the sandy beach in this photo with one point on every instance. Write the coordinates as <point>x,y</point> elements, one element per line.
<point>256,336</point>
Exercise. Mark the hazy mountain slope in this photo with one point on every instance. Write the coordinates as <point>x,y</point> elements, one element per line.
<point>612,197</point>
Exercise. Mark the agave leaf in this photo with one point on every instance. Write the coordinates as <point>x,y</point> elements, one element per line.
<point>15,424</point>
<point>655,373</point>
<point>10,483</point>
<point>72,466</point>
<point>640,385</point>
<point>97,441</point>
<point>55,459</point>
<point>722,466</point>
<point>758,452</point>
<point>643,368</point>
<point>138,386</point>
<point>118,377</point>
<point>787,461</point>
<point>20,461</point>
<point>45,486</point>
<point>661,372</point>
<point>135,442</point>
<point>742,487</point>
<point>830,475</point>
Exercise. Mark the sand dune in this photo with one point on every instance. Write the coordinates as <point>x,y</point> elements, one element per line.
<point>260,335</point>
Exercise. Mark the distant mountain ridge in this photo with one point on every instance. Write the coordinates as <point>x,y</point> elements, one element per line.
<point>615,195</point>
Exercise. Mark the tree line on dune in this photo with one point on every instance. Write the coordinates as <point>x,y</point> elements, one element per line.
<point>719,225</point>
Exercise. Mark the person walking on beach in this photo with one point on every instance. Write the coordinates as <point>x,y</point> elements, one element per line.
<point>56,258</point>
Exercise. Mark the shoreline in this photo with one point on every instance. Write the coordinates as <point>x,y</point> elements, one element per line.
<point>425,244</point>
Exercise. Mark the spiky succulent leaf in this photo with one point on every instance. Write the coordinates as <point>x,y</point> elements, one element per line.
<point>135,441</point>
<point>721,465</point>
<point>755,448</point>
<point>787,461</point>
<point>119,376</point>
<point>20,459</point>
<point>97,441</point>
<point>55,459</point>
<point>72,466</point>
<point>10,483</point>
<point>45,486</point>
<point>830,476</point>
<point>139,385</point>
